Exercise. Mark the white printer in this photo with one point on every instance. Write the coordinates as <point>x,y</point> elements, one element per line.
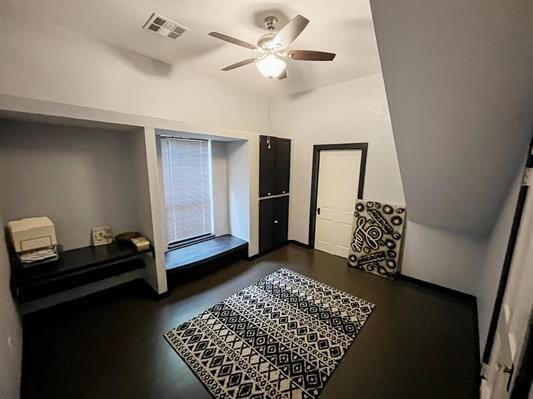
<point>34,239</point>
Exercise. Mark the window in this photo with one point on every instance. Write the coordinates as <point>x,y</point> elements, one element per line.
<point>187,185</point>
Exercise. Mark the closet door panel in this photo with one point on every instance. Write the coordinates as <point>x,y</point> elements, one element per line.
<point>266,225</point>
<point>283,166</point>
<point>281,220</point>
<point>267,169</point>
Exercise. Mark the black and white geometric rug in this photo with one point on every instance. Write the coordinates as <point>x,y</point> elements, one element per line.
<point>282,337</point>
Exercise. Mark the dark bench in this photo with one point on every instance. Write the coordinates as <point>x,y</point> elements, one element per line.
<point>211,251</point>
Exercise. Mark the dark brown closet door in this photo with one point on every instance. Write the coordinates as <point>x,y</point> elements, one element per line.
<point>281,220</point>
<point>283,166</point>
<point>267,162</point>
<point>266,225</point>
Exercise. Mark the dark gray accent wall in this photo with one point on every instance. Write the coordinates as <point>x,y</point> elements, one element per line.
<point>10,330</point>
<point>78,177</point>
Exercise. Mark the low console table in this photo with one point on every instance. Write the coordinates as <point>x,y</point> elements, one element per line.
<point>75,267</point>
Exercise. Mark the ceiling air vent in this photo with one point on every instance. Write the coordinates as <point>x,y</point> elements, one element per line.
<point>164,26</point>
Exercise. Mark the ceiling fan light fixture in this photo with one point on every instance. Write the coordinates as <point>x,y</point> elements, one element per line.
<point>270,66</point>
<point>272,48</point>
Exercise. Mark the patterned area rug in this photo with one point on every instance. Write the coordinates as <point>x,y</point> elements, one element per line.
<point>282,337</point>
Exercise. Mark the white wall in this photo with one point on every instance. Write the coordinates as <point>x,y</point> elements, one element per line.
<point>489,280</point>
<point>10,331</point>
<point>78,177</point>
<point>43,63</point>
<point>145,172</point>
<point>357,111</point>
<point>46,63</point>
<point>447,257</point>
<point>220,187</point>
<point>460,90</point>
<point>238,189</point>
<point>348,112</point>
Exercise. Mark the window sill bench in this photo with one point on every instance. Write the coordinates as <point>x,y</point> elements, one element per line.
<point>204,252</point>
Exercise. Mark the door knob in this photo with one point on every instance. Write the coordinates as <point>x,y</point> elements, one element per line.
<point>276,222</point>
<point>318,211</point>
<point>507,370</point>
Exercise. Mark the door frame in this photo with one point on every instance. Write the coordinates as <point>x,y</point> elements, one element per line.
<point>317,148</point>
<point>506,268</point>
<point>522,382</point>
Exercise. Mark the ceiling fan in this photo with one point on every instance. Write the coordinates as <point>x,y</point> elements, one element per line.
<point>273,48</point>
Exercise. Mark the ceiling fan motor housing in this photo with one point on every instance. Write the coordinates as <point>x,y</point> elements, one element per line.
<point>264,42</point>
<point>271,23</point>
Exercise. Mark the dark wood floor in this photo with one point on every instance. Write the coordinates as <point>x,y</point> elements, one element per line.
<point>418,343</point>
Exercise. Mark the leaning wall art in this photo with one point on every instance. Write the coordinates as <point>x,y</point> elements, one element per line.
<point>377,238</point>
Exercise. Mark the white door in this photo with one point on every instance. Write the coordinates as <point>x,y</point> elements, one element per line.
<point>517,306</point>
<point>338,182</point>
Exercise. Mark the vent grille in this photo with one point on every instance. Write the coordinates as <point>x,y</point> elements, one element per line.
<point>164,26</point>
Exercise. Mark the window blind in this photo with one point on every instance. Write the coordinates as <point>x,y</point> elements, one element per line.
<point>187,187</point>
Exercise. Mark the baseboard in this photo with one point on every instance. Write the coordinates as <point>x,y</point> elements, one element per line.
<point>293,242</point>
<point>257,255</point>
<point>440,288</point>
<point>299,244</point>
<point>162,295</point>
<point>262,253</point>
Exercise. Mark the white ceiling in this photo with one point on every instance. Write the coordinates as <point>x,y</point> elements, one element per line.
<point>343,27</point>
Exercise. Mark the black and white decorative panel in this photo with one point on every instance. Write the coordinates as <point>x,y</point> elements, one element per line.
<point>377,238</point>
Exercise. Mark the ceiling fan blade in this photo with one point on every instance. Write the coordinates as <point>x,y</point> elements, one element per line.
<point>239,64</point>
<point>310,55</point>
<point>283,75</point>
<point>290,32</point>
<point>232,40</point>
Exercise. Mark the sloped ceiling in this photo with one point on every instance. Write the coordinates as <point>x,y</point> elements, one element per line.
<point>459,82</point>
